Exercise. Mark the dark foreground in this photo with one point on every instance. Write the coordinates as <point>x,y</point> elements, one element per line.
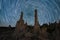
<point>47,32</point>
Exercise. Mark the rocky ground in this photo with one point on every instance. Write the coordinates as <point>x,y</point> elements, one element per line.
<point>7,33</point>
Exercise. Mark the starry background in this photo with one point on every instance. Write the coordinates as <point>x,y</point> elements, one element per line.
<point>48,11</point>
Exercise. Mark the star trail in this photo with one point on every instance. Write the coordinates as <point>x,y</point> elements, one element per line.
<point>48,11</point>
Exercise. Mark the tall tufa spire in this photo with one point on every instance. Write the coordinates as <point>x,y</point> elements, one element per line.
<point>36,24</point>
<point>20,23</point>
<point>36,19</point>
<point>21,16</point>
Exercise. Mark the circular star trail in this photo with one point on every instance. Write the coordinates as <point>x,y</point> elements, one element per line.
<point>48,11</point>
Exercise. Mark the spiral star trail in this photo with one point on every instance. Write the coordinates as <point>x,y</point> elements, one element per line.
<point>48,11</point>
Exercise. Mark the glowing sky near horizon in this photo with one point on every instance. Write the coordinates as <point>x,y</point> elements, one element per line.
<point>48,11</point>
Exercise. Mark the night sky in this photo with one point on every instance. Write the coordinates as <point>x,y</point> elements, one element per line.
<point>48,11</point>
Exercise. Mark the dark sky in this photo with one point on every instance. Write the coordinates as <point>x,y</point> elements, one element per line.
<point>48,11</point>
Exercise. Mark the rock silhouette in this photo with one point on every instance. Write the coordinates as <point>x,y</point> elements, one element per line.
<point>23,31</point>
